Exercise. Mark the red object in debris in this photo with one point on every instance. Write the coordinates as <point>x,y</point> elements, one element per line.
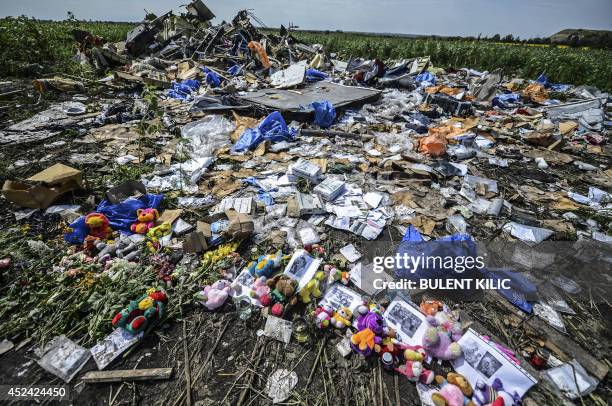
<point>266,300</point>
<point>277,309</point>
<point>537,361</point>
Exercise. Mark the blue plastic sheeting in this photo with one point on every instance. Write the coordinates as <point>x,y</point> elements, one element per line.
<point>506,100</point>
<point>234,70</point>
<point>412,235</point>
<point>263,194</point>
<point>521,288</point>
<point>425,79</point>
<point>120,216</point>
<point>313,75</point>
<point>556,87</point>
<point>415,248</point>
<point>272,128</point>
<point>183,90</point>
<point>325,113</point>
<point>212,78</point>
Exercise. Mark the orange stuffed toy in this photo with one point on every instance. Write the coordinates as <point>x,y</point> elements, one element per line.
<point>146,220</point>
<point>98,225</point>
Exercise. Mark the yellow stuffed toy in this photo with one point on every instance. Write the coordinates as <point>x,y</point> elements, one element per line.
<point>312,288</point>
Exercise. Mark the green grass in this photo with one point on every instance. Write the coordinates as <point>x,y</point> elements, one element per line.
<point>563,65</point>
<point>25,41</point>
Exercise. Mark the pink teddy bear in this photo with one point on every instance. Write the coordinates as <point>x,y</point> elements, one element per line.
<point>261,291</point>
<point>437,340</point>
<point>215,295</point>
<point>414,371</point>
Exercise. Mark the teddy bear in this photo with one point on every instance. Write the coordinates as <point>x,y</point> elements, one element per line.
<point>215,295</point>
<point>454,391</point>
<point>323,316</point>
<point>335,275</point>
<point>265,264</point>
<point>261,291</point>
<point>145,220</point>
<point>141,313</point>
<point>365,342</point>
<point>342,318</point>
<point>431,307</point>
<point>283,293</point>
<point>437,341</point>
<point>313,288</point>
<point>372,330</point>
<point>414,353</point>
<point>444,321</point>
<point>98,225</point>
<point>415,372</point>
<point>493,395</point>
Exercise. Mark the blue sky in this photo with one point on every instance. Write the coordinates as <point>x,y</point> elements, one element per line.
<point>525,18</point>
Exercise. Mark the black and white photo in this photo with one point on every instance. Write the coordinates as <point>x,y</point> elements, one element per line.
<point>338,296</point>
<point>488,365</point>
<point>407,320</point>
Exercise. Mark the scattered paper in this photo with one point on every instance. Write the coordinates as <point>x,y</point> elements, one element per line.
<point>280,384</point>
<point>278,329</point>
<point>113,345</point>
<point>350,253</point>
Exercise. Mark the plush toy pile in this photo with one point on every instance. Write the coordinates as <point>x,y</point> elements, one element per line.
<point>142,313</point>
<point>263,284</point>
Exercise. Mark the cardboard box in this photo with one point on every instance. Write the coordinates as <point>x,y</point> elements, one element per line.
<point>127,189</point>
<point>240,227</point>
<point>44,188</point>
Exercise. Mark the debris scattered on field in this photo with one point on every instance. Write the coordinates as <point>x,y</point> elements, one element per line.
<point>228,169</point>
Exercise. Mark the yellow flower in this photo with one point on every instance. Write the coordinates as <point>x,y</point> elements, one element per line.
<point>145,303</point>
<point>150,291</point>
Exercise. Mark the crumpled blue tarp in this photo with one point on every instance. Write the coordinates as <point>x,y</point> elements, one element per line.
<point>183,90</point>
<point>234,70</point>
<point>556,87</point>
<point>324,112</point>
<point>272,128</point>
<point>120,216</point>
<point>521,288</point>
<point>506,100</point>
<point>263,194</point>
<point>313,75</point>
<point>212,78</point>
<point>413,245</point>
<point>412,235</point>
<point>425,79</point>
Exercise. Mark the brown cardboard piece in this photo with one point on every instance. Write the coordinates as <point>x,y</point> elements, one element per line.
<point>169,216</point>
<point>43,188</point>
<point>240,227</point>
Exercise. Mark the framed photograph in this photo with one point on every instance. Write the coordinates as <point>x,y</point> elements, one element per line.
<point>483,361</point>
<point>407,320</point>
<point>302,267</point>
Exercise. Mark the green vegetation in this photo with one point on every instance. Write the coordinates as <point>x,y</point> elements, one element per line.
<point>562,64</point>
<point>25,42</point>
